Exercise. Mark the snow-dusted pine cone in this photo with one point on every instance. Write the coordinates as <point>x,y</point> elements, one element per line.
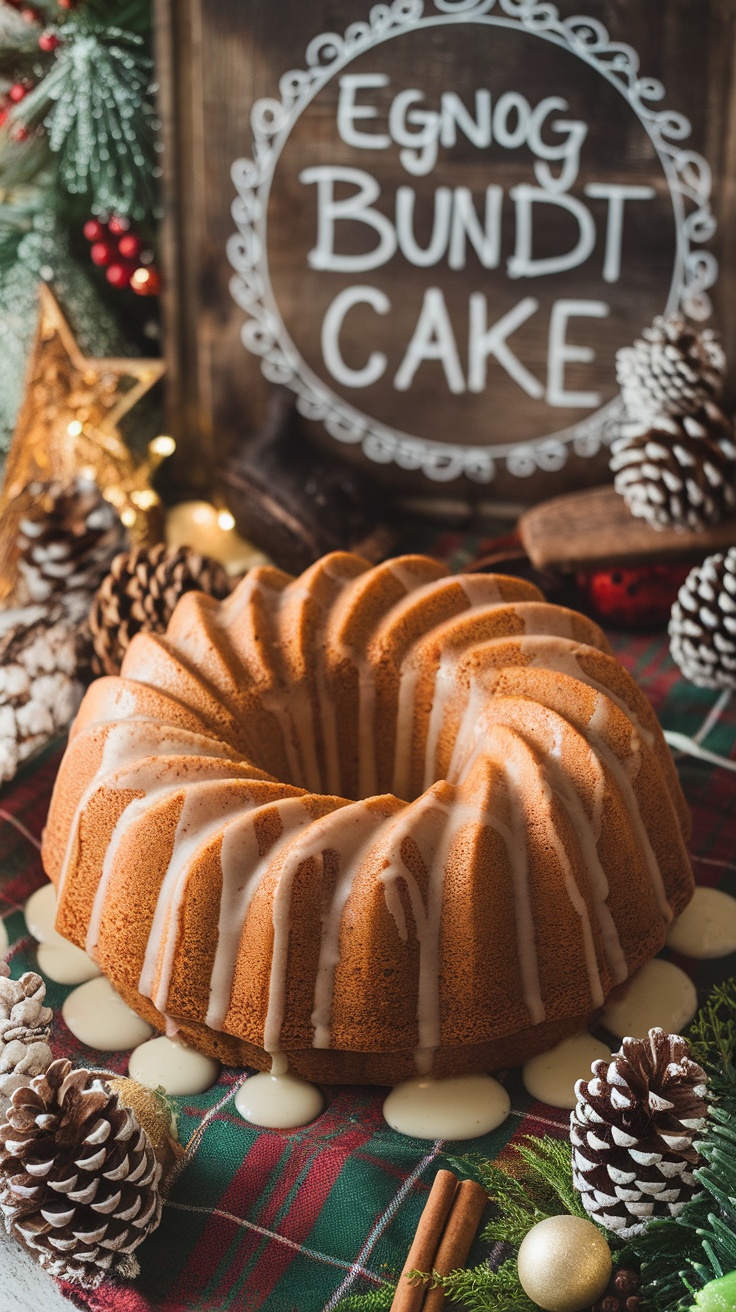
<point>140,593</point>
<point>67,539</point>
<point>41,654</point>
<point>633,1133</point>
<point>703,623</point>
<point>677,473</point>
<point>24,1033</point>
<point>672,369</point>
<point>79,1179</point>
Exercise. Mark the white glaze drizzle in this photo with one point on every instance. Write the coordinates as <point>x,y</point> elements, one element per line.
<point>151,777</point>
<point>206,809</point>
<point>243,869</point>
<point>366,834</point>
<point>426,911</point>
<point>127,742</point>
<point>344,831</point>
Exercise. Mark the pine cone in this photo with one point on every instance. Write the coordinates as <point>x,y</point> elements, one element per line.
<point>702,626</point>
<point>633,1132</point>
<point>24,1033</point>
<point>671,369</point>
<point>67,540</point>
<point>677,473</point>
<point>79,1179</point>
<point>140,593</point>
<point>42,652</point>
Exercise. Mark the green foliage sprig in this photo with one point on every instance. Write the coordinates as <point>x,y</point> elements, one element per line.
<point>534,1183</point>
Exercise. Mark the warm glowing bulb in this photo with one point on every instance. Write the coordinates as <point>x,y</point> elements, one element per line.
<point>144,499</point>
<point>162,446</point>
<point>128,517</point>
<point>75,428</point>
<point>226,520</point>
<point>87,472</point>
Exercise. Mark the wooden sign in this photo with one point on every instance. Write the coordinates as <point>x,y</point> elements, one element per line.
<point>435,221</point>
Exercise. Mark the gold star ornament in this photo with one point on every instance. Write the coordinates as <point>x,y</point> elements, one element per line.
<point>68,425</point>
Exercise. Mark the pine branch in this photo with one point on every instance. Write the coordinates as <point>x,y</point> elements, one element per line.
<point>684,1253</point>
<point>96,107</point>
<point>481,1289</point>
<point>712,1036</point>
<point>376,1300</point>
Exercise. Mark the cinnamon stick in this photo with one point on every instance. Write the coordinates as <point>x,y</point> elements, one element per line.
<point>409,1297</point>
<point>458,1235</point>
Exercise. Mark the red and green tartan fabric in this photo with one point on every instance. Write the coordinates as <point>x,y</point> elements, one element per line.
<point>263,1221</point>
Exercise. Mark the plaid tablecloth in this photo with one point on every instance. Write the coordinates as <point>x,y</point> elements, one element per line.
<point>257,1219</point>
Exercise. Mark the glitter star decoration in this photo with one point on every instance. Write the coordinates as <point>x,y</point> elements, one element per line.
<point>68,424</point>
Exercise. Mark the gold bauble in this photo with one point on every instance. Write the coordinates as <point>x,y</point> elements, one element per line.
<point>153,1114</point>
<point>564,1264</point>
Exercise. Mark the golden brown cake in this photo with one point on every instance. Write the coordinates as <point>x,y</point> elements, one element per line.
<point>372,818</point>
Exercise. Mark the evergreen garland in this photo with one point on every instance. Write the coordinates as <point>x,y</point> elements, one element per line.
<point>81,141</point>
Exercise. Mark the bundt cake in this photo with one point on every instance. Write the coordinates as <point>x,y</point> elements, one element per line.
<point>375,819</point>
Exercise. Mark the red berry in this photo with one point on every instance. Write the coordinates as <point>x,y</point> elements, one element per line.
<point>66,4</point>
<point>118,225</point>
<point>626,1281</point>
<point>93,230</point>
<point>48,42</point>
<point>119,275</point>
<point>610,1304</point>
<point>146,282</point>
<point>3,116</point>
<point>632,1303</point>
<point>102,252</point>
<point>18,92</point>
<point>129,246</point>
<point>20,133</point>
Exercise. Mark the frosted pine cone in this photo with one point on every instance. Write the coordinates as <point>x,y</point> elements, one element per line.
<point>672,369</point>
<point>67,539</point>
<point>702,626</point>
<point>140,593</point>
<point>41,654</point>
<point>79,1179</point>
<point>24,1034</point>
<point>633,1133</point>
<point>677,473</point>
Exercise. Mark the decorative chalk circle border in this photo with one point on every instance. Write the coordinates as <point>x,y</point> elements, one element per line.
<point>264,333</point>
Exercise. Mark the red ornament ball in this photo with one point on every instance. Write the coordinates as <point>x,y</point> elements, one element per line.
<point>118,225</point>
<point>93,230</point>
<point>635,596</point>
<point>119,275</point>
<point>130,246</point>
<point>48,42</point>
<point>101,253</point>
<point>18,92</point>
